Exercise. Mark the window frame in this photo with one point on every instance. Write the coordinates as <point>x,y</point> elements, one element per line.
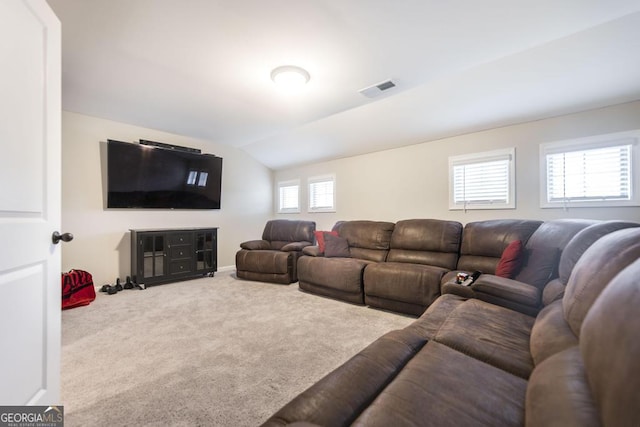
<point>280,186</point>
<point>484,157</point>
<point>590,143</point>
<point>318,179</point>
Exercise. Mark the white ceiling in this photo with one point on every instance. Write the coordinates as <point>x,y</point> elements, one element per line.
<point>202,68</point>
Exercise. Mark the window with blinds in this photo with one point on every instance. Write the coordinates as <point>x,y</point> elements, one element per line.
<point>288,197</point>
<point>589,173</point>
<point>322,194</point>
<point>482,180</point>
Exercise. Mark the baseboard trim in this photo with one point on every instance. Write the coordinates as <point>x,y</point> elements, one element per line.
<point>226,268</point>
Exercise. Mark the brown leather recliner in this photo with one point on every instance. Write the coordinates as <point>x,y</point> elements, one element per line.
<point>275,257</point>
<point>341,277</point>
<point>421,252</point>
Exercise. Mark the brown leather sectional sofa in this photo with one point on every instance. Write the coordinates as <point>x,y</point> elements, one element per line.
<point>405,266</point>
<point>466,361</point>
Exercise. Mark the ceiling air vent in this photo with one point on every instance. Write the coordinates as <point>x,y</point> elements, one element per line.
<point>377,89</point>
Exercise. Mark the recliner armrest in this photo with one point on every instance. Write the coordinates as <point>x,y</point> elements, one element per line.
<point>295,246</point>
<point>254,245</point>
<point>553,291</point>
<point>508,289</point>
<point>451,287</point>
<point>312,251</point>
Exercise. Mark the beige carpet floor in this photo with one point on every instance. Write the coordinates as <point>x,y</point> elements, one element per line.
<point>207,352</point>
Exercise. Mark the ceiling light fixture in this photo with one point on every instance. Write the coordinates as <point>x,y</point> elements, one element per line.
<point>290,77</point>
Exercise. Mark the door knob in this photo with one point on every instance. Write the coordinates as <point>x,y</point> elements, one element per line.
<point>56,237</point>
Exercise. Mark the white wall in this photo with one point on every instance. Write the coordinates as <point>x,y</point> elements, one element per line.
<point>412,182</point>
<point>102,240</point>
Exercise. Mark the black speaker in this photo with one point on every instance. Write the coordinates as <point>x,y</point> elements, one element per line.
<point>170,146</point>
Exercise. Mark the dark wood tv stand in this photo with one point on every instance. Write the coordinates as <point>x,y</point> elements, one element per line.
<point>170,255</point>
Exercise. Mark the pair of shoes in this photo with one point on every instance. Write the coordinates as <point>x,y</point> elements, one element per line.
<point>111,290</point>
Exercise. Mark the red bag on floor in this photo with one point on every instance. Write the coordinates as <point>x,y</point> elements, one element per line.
<point>77,289</point>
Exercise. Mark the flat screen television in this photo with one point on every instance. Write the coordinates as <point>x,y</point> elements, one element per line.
<point>144,176</point>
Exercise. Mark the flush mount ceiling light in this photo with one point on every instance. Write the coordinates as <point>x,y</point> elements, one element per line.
<point>290,77</point>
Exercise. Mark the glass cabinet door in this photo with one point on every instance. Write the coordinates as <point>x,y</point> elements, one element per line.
<point>205,244</point>
<point>153,255</point>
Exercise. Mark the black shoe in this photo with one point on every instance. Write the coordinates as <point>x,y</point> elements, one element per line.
<point>112,290</point>
<point>105,288</point>
<point>118,286</point>
<point>128,284</point>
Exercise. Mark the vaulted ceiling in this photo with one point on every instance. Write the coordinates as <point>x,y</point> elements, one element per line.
<point>201,68</point>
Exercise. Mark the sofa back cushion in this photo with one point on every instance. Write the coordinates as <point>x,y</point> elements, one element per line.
<point>611,350</point>
<point>543,249</point>
<point>368,240</point>
<point>598,265</point>
<point>483,242</point>
<point>426,241</point>
<point>279,232</point>
<point>596,381</point>
<point>558,325</point>
<point>583,240</point>
<point>580,242</point>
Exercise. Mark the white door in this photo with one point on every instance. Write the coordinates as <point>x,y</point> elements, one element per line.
<point>29,203</point>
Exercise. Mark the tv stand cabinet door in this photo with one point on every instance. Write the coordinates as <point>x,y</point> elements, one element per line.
<point>150,260</point>
<point>206,251</point>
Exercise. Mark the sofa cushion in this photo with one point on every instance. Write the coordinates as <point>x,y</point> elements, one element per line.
<point>367,239</point>
<point>282,230</point>
<point>610,348</point>
<point>271,262</point>
<point>551,333</point>
<point>426,241</point>
<point>336,247</point>
<point>511,260</point>
<point>490,333</point>
<point>583,240</point>
<point>558,393</point>
<point>344,274</point>
<point>593,271</point>
<point>440,386</point>
<point>432,319</point>
<point>411,283</point>
<point>539,266</point>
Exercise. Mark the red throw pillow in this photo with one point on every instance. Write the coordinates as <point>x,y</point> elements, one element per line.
<point>320,238</point>
<point>511,260</point>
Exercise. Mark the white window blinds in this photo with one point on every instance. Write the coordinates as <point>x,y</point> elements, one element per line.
<point>322,194</point>
<point>588,175</point>
<point>288,197</point>
<point>482,180</point>
<point>590,172</point>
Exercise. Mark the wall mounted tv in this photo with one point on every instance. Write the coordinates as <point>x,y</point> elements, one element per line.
<point>161,176</point>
